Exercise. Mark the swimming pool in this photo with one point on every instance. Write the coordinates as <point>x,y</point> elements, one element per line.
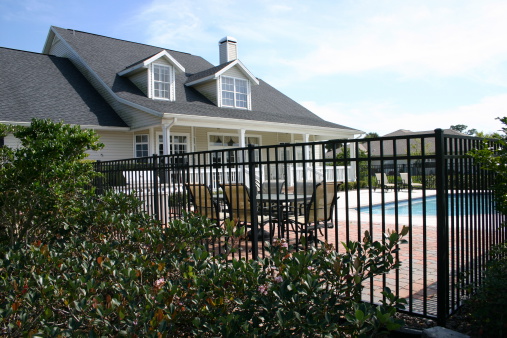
<point>458,205</point>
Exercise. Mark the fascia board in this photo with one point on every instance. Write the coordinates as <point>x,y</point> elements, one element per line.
<point>105,86</point>
<point>214,122</point>
<point>49,41</point>
<point>145,64</point>
<point>243,69</point>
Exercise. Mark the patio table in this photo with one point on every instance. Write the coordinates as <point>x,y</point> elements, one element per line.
<point>282,205</point>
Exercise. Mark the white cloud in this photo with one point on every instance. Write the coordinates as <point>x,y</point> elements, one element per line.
<point>385,117</point>
<point>412,39</point>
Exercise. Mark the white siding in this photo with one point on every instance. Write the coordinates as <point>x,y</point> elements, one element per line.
<point>11,142</point>
<point>235,72</point>
<point>208,89</point>
<point>141,81</point>
<point>117,145</point>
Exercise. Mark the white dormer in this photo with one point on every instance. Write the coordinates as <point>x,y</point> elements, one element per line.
<point>155,76</point>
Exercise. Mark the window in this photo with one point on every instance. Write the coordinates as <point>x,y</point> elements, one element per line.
<point>179,144</point>
<point>234,92</point>
<point>161,82</point>
<point>141,145</point>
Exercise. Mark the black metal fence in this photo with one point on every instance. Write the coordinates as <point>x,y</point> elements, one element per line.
<point>333,192</point>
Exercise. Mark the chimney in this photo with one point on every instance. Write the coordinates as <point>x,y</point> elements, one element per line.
<point>228,49</point>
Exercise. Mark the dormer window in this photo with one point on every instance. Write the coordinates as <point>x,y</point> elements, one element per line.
<point>155,76</point>
<point>234,92</point>
<point>162,76</point>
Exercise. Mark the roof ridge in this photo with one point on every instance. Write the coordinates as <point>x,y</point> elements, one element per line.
<point>137,43</point>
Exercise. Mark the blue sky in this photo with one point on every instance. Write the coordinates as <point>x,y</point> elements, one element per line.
<point>374,65</point>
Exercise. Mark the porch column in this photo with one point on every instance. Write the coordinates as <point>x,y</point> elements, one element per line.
<point>306,139</point>
<point>242,142</point>
<point>166,136</point>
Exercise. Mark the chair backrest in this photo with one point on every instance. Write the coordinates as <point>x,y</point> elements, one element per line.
<point>238,200</point>
<point>322,203</point>
<point>203,200</point>
<point>273,187</point>
<point>307,187</point>
<point>404,178</point>
<point>379,178</point>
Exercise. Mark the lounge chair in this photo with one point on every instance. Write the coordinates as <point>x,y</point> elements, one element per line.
<point>383,182</point>
<point>407,181</point>
<point>202,198</point>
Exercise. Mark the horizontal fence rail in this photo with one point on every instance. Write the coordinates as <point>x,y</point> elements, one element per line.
<point>333,192</point>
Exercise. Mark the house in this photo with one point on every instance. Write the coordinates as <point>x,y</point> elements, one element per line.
<point>396,144</point>
<point>144,99</point>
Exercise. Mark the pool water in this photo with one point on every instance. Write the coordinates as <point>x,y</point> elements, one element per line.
<point>458,205</point>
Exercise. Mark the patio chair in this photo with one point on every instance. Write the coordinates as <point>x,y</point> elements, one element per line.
<point>237,199</point>
<point>273,187</point>
<point>318,212</point>
<point>202,199</point>
<point>383,182</point>
<point>407,182</point>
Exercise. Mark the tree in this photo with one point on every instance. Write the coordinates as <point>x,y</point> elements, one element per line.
<point>494,157</point>
<point>462,129</point>
<point>371,135</point>
<point>42,181</point>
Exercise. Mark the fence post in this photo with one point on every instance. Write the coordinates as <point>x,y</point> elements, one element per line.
<point>156,201</point>
<point>253,202</point>
<point>442,230</point>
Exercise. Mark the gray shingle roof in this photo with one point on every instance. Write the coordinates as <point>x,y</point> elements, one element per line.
<point>108,56</point>
<point>41,86</point>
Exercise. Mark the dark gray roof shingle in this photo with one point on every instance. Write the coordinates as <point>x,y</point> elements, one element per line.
<point>108,56</point>
<point>41,86</point>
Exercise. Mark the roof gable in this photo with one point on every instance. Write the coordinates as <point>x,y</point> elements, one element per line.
<point>215,72</point>
<point>144,64</point>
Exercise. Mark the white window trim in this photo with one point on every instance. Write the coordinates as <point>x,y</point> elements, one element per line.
<point>158,134</point>
<point>135,144</point>
<point>248,93</point>
<point>151,86</point>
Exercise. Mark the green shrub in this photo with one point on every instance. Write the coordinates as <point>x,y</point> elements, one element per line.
<point>488,304</point>
<point>42,181</point>
<point>153,280</point>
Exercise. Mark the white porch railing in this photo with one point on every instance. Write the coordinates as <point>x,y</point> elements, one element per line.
<point>329,173</point>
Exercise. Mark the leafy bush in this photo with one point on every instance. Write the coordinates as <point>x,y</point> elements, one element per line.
<point>151,280</point>
<point>488,305</point>
<point>42,181</point>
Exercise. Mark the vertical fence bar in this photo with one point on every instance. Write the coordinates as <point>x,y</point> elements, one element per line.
<point>442,230</point>
<point>253,202</point>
